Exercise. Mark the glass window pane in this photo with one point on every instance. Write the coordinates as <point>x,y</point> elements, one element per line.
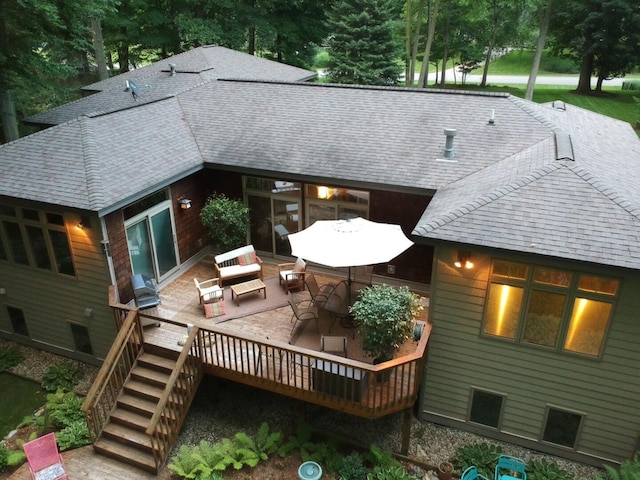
<point>7,211</point>
<point>3,251</point>
<point>542,324</point>
<point>321,212</point>
<point>16,243</point>
<point>29,214</point>
<point>55,219</point>
<point>145,204</point>
<point>260,222</point>
<point>601,285</point>
<point>486,408</point>
<point>551,276</point>
<point>163,241</point>
<point>81,339</point>
<point>140,249</point>
<point>18,322</point>
<point>503,310</point>
<point>38,246</point>
<point>502,268</point>
<point>62,252</point>
<point>562,428</point>
<point>588,325</point>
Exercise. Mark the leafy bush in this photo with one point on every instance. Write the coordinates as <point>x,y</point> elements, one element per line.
<point>10,357</point>
<point>226,220</point>
<point>390,473</point>
<point>352,468</point>
<point>4,457</point>
<point>483,455</point>
<point>63,375</point>
<point>74,435</point>
<point>629,470</point>
<point>64,408</point>
<point>560,65</point>
<point>631,85</point>
<point>544,470</point>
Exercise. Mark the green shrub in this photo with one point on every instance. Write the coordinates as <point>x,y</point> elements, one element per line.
<point>226,220</point>
<point>544,470</point>
<point>631,85</point>
<point>483,455</point>
<point>390,473</point>
<point>381,458</point>
<point>560,65</point>
<point>321,59</point>
<point>352,468</point>
<point>10,357</point>
<point>74,435</point>
<point>4,457</point>
<point>63,375</point>
<point>16,458</point>
<point>187,463</point>
<point>64,408</point>
<point>629,470</point>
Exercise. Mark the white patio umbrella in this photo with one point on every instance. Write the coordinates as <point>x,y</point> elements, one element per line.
<point>349,243</point>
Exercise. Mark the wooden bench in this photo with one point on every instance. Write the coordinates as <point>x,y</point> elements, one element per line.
<point>239,263</point>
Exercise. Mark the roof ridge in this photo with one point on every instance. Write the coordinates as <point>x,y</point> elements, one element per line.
<point>530,108</point>
<point>606,190</point>
<point>488,197</point>
<point>91,164</point>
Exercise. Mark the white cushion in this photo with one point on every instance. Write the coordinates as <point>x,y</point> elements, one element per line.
<point>238,270</point>
<point>223,257</point>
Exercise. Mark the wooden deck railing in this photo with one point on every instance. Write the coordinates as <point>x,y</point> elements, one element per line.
<point>115,370</point>
<point>175,401</point>
<point>354,387</point>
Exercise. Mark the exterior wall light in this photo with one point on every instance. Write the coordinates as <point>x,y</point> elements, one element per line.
<point>185,203</point>
<point>464,260</point>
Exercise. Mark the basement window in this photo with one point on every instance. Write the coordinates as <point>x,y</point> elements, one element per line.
<point>18,322</point>
<point>562,427</point>
<point>81,338</point>
<point>486,408</point>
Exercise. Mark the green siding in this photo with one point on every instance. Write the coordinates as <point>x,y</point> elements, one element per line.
<point>605,390</point>
<point>50,301</point>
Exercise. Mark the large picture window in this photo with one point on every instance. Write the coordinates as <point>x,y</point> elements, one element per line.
<point>34,238</point>
<point>549,307</point>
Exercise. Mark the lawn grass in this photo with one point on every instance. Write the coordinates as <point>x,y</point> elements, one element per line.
<point>20,397</point>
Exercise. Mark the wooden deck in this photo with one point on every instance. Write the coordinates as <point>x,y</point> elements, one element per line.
<point>86,463</point>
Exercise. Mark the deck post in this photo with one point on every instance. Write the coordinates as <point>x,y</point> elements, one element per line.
<point>406,430</point>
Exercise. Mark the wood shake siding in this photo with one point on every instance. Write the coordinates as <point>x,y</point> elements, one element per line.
<point>50,301</point>
<point>604,390</point>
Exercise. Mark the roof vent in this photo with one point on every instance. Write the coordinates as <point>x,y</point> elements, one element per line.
<point>564,147</point>
<point>558,105</point>
<point>449,151</point>
<point>172,69</point>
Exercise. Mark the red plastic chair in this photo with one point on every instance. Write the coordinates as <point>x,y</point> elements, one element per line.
<point>45,463</point>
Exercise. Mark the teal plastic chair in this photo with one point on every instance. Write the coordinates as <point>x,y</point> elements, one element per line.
<point>510,468</point>
<point>471,473</point>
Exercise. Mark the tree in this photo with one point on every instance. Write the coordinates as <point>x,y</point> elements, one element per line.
<point>227,221</point>
<point>600,35</point>
<point>362,44</point>
<point>544,9</point>
<point>431,29</point>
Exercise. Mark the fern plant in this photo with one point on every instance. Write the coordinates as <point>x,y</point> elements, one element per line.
<point>187,463</point>
<point>629,470</point>
<point>267,442</point>
<point>10,357</point>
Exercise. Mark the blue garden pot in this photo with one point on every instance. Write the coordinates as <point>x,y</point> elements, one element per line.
<point>309,471</point>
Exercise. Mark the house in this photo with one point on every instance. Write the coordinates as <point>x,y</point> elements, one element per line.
<point>534,336</point>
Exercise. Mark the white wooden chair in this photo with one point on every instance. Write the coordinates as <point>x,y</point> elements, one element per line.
<point>209,290</point>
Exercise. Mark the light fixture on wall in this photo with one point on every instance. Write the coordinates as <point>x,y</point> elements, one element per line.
<point>83,223</point>
<point>464,260</point>
<point>185,203</point>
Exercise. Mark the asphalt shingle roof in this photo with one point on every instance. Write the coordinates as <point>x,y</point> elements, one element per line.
<point>562,183</point>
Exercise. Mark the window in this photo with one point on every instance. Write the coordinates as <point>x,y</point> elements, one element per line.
<point>562,427</point>
<point>34,238</point>
<point>81,339</point>
<point>333,203</point>
<point>549,307</point>
<point>486,408</point>
<point>18,322</point>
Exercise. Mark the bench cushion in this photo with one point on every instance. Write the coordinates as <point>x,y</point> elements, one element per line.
<point>239,270</point>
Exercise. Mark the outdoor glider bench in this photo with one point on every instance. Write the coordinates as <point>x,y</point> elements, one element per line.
<point>238,263</point>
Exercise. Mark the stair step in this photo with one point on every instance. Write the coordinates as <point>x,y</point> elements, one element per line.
<point>130,419</point>
<point>156,362</point>
<point>125,454</point>
<point>144,390</point>
<point>128,436</point>
<point>150,375</point>
<point>136,404</point>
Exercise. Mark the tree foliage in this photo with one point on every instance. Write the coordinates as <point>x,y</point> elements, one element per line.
<point>363,47</point>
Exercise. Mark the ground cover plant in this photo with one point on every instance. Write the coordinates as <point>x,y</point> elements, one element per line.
<point>20,397</point>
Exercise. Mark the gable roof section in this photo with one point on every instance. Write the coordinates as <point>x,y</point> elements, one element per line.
<point>584,209</point>
<point>102,162</point>
<point>155,81</point>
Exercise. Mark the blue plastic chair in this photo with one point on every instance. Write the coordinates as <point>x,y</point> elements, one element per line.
<point>508,467</point>
<point>471,473</point>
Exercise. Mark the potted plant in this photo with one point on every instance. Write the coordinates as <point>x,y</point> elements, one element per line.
<point>227,221</point>
<point>386,315</point>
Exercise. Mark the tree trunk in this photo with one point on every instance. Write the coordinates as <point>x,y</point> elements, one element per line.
<point>544,15</point>
<point>408,34</point>
<point>8,117</point>
<point>123,58</point>
<point>416,40</point>
<point>98,48</point>
<point>584,82</point>
<point>251,50</point>
<point>599,84</point>
<point>445,52</point>
<point>424,71</point>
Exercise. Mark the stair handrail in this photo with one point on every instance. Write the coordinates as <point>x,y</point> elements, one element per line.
<point>120,345</point>
<point>163,440</point>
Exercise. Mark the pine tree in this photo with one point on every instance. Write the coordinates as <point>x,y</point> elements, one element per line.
<point>363,48</point>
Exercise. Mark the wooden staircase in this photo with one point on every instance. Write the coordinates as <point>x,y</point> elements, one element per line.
<point>124,437</point>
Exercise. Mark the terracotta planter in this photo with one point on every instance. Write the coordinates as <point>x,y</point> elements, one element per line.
<point>445,471</point>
